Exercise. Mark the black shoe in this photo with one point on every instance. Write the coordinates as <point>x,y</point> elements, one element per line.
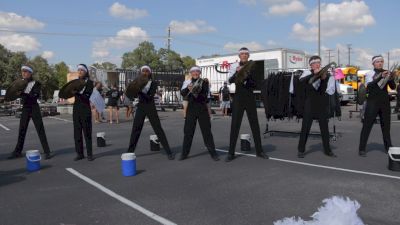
<point>90,158</point>
<point>262,155</point>
<point>229,158</point>
<point>171,156</point>
<point>301,155</point>
<point>183,157</point>
<point>362,153</point>
<point>79,157</point>
<point>15,155</point>
<point>330,154</point>
<point>215,157</point>
<point>47,156</point>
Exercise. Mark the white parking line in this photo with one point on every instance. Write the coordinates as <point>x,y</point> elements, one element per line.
<point>121,198</point>
<point>4,127</point>
<point>61,119</point>
<point>320,166</point>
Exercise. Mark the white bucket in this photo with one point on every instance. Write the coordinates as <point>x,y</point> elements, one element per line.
<point>246,137</point>
<point>128,156</point>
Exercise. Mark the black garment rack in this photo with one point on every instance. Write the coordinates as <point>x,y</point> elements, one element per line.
<point>333,136</point>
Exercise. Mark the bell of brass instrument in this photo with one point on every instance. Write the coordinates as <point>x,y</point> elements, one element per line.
<point>136,86</point>
<point>243,73</point>
<point>323,73</point>
<point>197,87</point>
<point>392,72</point>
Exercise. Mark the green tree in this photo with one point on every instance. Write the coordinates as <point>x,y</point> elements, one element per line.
<point>188,62</point>
<point>170,59</point>
<point>144,54</point>
<point>105,66</point>
<point>60,71</point>
<point>44,73</point>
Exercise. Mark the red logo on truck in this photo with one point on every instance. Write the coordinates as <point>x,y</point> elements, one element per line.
<point>294,59</point>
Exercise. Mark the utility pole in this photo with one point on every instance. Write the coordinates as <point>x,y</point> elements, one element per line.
<point>388,60</point>
<point>349,49</point>
<point>169,39</point>
<point>319,27</point>
<point>338,57</point>
<point>329,54</point>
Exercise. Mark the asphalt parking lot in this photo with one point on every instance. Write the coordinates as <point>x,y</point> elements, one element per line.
<point>198,190</point>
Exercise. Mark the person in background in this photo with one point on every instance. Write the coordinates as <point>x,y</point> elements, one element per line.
<point>113,98</point>
<point>224,96</point>
<point>95,112</point>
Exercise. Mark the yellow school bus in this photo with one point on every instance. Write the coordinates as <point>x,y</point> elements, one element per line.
<point>351,76</point>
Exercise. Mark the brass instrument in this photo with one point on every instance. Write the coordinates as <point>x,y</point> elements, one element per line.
<point>71,88</point>
<point>134,87</point>
<point>243,73</point>
<point>323,73</point>
<point>197,87</point>
<point>15,89</point>
<point>392,72</point>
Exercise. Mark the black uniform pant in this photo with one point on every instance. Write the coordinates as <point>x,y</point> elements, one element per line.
<point>376,107</point>
<point>238,107</point>
<point>82,118</point>
<point>197,112</point>
<point>150,111</point>
<point>34,113</point>
<point>305,131</point>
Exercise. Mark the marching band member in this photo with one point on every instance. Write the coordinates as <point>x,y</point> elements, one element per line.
<point>30,109</point>
<point>244,100</point>
<point>196,91</point>
<point>318,90</point>
<point>82,116</point>
<point>146,107</point>
<point>378,103</point>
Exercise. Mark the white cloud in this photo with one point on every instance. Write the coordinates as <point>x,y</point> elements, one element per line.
<point>285,9</point>
<point>13,20</point>
<point>191,27</point>
<point>18,42</point>
<point>234,47</point>
<point>119,10</point>
<point>336,19</point>
<point>277,7</point>
<point>126,38</point>
<point>48,54</point>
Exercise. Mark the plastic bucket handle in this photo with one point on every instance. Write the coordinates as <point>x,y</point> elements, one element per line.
<point>33,160</point>
<point>128,156</point>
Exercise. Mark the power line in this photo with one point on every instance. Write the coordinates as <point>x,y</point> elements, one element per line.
<point>109,36</point>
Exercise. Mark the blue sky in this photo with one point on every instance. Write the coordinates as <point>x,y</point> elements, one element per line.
<point>86,31</point>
